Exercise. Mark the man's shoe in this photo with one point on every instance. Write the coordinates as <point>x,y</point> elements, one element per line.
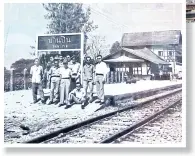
<point>102,102</point>
<point>82,106</point>
<point>61,104</point>
<point>67,106</point>
<point>50,102</point>
<point>97,101</point>
<point>43,101</point>
<point>90,100</point>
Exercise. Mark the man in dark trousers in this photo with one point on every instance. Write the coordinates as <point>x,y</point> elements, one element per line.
<point>37,79</point>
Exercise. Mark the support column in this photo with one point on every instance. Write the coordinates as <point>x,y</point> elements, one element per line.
<point>12,80</point>
<point>25,83</point>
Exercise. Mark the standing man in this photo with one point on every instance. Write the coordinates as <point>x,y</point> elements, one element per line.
<point>65,75</point>
<point>101,72</point>
<point>69,60</point>
<point>47,76</point>
<point>51,61</point>
<point>75,70</point>
<point>88,77</point>
<point>55,80</point>
<point>61,61</point>
<point>37,77</point>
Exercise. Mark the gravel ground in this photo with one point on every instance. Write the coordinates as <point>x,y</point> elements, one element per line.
<point>20,114</point>
<point>102,129</point>
<point>166,128</point>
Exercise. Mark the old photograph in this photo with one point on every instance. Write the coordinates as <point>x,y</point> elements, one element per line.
<point>190,11</point>
<point>94,73</point>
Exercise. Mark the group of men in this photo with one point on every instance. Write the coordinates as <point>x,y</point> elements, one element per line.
<point>63,77</point>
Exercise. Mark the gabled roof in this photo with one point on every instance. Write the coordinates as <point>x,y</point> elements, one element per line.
<point>124,59</point>
<point>145,54</point>
<point>151,38</point>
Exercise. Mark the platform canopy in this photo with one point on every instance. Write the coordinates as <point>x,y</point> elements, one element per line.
<point>124,59</point>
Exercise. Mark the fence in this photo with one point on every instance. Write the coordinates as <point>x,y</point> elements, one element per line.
<point>19,81</point>
<point>16,81</point>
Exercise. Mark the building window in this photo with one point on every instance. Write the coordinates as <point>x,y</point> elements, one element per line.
<point>160,53</point>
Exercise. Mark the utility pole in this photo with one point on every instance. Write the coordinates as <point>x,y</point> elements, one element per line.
<point>6,37</point>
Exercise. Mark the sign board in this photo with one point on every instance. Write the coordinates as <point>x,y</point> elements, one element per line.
<point>67,42</point>
<point>57,42</point>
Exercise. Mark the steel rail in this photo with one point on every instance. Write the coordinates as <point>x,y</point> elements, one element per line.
<point>137,125</point>
<point>95,119</point>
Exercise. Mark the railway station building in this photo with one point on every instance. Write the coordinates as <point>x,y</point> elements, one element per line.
<point>145,53</point>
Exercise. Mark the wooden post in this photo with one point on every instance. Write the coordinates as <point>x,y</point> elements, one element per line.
<point>107,77</point>
<point>119,74</point>
<point>115,76</point>
<point>111,77</point>
<point>25,85</point>
<point>11,79</point>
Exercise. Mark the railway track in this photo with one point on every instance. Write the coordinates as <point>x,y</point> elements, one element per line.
<point>107,128</point>
<point>159,130</point>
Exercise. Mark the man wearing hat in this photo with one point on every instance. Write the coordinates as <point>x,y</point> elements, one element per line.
<point>65,75</point>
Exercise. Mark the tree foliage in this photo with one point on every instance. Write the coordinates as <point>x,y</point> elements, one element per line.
<point>21,64</point>
<point>68,18</point>
<point>115,47</point>
<point>96,46</point>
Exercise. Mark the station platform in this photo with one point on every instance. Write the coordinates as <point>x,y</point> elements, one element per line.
<point>18,107</point>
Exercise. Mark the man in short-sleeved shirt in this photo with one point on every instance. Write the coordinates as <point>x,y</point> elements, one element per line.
<point>37,76</point>
<point>77,95</point>
<point>65,75</point>
<point>101,70</point>
<point>88,77</point>
<point>55,80</point>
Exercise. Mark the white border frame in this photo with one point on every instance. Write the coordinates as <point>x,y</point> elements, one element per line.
<point>183,144</point>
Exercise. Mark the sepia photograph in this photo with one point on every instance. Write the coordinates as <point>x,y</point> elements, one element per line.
<point>94,73</point>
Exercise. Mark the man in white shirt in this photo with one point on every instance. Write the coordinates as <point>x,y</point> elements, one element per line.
<point>65,75</point>
<point>101,71</point>
<point>37,77</point>
<point>77,96</point>
<point>55,80</point>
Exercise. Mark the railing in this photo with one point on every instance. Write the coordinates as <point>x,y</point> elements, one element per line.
<point>16,81</point>
<point>19,81</point>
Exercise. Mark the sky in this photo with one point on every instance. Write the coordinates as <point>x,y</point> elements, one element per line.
<point>23,21</point>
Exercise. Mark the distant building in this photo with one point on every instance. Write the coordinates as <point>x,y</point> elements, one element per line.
<point>146,53</point>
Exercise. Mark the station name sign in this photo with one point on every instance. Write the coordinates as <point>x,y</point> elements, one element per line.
<point>59,42</point>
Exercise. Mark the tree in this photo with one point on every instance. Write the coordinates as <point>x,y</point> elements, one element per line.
<point>96,46</point>
<point>115,47</point>
<point>68,18</point>
<point>21,64</point>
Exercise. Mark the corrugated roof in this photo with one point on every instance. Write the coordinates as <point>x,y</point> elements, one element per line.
<point>151,38</point>
<point>146,54</point>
